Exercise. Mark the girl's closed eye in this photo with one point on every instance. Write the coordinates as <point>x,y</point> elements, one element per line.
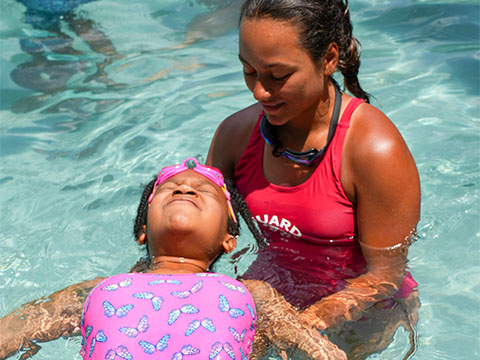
<point>207,189</point>
<point>167,187</point>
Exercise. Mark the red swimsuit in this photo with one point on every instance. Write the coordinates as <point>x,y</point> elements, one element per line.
<point>310,227</point>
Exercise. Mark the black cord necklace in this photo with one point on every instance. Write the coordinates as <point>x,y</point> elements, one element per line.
<point>305,158</point>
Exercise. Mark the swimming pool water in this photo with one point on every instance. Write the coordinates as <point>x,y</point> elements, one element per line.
<point>73,160</point>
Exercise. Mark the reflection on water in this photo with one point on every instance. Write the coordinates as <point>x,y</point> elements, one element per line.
<point>53,58</point>
<point>433,28</point>
<point>222,17</point>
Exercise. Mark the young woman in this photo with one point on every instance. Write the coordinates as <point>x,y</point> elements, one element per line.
<point>328,176</point>
<point>175,308</point>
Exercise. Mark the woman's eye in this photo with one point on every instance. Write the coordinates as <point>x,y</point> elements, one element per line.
<point>281,78</point>
<point>248,73</point>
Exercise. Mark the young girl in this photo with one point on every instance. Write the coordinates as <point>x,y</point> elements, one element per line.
<point>175,309</point>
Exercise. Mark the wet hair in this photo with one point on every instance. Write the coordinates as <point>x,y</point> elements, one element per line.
<point>233,228</point>
<point>320,22</point>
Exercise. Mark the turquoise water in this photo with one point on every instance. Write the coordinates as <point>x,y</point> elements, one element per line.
<point>76,146</point>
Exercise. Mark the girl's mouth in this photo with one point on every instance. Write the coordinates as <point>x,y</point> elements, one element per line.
<point>185,199</point>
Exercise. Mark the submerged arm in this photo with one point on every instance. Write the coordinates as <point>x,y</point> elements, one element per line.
<point>380,282</point>
<point>43,320</point>
<point>380,176</point>
<point>278,326</point>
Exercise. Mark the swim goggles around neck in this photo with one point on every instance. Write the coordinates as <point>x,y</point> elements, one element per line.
<point>305,158</point>
<point>190,163</point>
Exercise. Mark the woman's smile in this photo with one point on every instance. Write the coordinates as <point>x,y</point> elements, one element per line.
<point>272,107</point>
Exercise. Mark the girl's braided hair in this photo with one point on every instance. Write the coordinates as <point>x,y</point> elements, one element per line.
<point>239,206</point>
<point>320,22</point>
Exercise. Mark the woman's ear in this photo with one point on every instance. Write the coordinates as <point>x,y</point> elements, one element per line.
<point>331,59</point>
<point>142,237</point>
<point>229,243</point>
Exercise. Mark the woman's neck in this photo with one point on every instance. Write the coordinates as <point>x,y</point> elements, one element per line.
<point>302,132</point>
<point>175,265</point>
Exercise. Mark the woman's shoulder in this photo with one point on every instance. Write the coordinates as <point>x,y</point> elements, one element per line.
<point>372,134</point>
<point>374,152</point>
<point>231,138</point>
<point>244,117</point>
<point>239,124</point>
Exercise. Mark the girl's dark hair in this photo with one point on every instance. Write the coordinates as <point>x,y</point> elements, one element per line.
<point>240,207</point>
<point>320,23</point>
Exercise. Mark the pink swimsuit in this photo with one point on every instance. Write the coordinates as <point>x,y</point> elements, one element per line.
<point>151,316</point>
<point>310,227</point>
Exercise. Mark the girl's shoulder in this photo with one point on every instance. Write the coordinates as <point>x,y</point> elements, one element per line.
<point>142,282</point>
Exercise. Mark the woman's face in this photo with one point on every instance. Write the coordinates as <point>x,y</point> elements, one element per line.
<point>187,217</point>
<point>278,71</point>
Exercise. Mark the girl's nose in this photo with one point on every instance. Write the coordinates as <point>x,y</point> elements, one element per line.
<point>184,189</point>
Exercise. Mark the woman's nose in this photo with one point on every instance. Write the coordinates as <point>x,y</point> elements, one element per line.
<point>260,91</point>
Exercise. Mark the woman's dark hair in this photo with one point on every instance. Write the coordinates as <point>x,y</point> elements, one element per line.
<point>320,22</point>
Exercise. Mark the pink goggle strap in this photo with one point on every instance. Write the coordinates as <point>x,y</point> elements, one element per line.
<point>209,172</point>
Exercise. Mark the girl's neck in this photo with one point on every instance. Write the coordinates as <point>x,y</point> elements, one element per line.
<point>175,265</point>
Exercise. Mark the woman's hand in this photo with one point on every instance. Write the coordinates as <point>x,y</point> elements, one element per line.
<point>278,327</point>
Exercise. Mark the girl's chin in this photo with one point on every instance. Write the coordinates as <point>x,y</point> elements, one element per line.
<point>181,221</point>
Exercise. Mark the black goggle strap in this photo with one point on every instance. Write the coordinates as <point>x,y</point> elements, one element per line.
<point>312,155</point>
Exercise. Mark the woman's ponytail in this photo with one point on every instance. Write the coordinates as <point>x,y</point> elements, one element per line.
<point>349,57</point>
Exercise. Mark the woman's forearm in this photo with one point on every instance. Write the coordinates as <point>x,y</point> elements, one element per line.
<point>349,304</point>
<point>44,319</point>
<point>386,271</point>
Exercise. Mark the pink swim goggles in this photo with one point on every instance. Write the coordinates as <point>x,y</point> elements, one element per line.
<point>190,163</point>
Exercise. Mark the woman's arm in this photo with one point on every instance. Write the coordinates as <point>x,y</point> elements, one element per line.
<point>278,327</point>
<point>379,175</point>
<point>43,320</point>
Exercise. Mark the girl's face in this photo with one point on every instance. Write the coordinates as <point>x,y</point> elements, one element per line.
<point>279,71</point>
<point>188,217</point>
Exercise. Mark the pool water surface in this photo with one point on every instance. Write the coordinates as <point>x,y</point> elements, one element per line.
<point>82,131</point>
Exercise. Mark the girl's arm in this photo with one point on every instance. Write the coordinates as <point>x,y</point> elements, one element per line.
<point>43,320</point>
<point>278,327</point>
<point>379,175</point>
